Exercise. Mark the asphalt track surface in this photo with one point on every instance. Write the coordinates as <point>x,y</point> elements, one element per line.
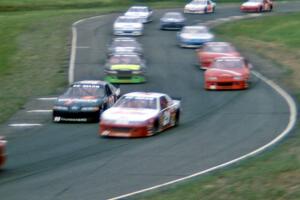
<point>70,161</point>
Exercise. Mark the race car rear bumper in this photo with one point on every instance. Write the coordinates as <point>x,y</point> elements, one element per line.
<point>75,116</point>
<point>125,79</point>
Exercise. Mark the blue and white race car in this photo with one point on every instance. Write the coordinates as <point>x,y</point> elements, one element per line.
<point>194,36</point>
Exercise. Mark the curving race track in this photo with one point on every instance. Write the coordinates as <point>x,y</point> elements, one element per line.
<point>69,161</point>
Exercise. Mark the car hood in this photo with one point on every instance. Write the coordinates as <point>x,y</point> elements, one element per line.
<point>128,25</point>
<point>171,20</point>
<point>196,36</point>
<point>190,6</point>
<point>210,55</point>
<point>128,115</point>
<point>225,72</point>
<point>136,14</point>
<point>251,4</point>
<point>77,101</point>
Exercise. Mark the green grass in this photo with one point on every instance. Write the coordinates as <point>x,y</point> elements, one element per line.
<point>35,45</point>
<point>274,174</point>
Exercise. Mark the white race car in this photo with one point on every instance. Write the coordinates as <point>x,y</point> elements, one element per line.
<point>200,6</point>
<point>129,26</point>
<point>144,13</point>
<point>140,114</point>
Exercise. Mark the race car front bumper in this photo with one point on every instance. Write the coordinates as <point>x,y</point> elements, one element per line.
<point>114,130</point>
<point>226,85</point>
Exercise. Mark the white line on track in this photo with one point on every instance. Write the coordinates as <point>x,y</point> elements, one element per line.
<point>74,47</point>
<point>47,98</point>
<point>39,111</point>
<point>24,125</point>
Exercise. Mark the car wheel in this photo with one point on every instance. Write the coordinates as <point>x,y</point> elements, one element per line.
<point>177,118</point>
<point>260,9</point>
<point>205,10</point>
<point>156,127</point>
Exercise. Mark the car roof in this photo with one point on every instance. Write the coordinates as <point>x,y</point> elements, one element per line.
<point>90,82</point>
<point>145,94</point>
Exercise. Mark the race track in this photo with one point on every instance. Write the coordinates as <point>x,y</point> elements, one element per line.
<point>70,161</point>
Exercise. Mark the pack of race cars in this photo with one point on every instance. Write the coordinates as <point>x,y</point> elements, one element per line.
<point>140,114</point>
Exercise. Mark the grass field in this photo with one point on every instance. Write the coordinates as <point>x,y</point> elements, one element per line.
<point>275,174</point>
<point>35,44</point>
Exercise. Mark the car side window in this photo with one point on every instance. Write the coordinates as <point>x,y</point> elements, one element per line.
<point>163,102</point>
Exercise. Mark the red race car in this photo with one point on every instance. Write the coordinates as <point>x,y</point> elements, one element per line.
<point>212,50</point>
<point>2,151</point>
<point>140,114</point>
<point>227,73</point>
<point>257,6</point>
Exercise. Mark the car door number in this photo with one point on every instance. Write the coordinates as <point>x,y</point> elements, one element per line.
<point>166,117</point>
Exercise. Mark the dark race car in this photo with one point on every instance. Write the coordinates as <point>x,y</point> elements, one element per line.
<point>172,20</point>
<point>124,45</point>
<point>85,101</point>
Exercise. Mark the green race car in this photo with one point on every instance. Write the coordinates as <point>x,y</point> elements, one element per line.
<point>121,68</point>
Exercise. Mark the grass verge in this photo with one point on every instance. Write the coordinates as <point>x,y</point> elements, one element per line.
<point>275,174</point>
<point>34,46</point>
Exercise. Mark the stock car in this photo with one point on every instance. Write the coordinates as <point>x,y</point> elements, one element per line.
<point>2,151</point>
<point>124,45</point>
<point>194,36</point>
<point>257,6</point>
<point>227,73</point>
<point>128,26</point>
<point>200,6</point>
<point>85,101</point>
<point>212,50</point>
<point>143,13</point>
<point>121,68</point>
<point>140,114</point>
<point>172,20</point>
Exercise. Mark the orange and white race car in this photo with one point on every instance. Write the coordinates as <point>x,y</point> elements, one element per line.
<point>257,6</point>
<point>2,151</point>
<point>140,114</point>
<point>227,73</point>
<point>212,50</point>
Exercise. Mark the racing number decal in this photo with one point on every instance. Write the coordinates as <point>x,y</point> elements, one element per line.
<point>166,117</point>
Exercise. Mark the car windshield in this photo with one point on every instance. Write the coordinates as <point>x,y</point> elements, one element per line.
<point>173,15</point>
<point>81,91</point>
<point>218,48</point>
<point>195,30</point>
<point>136,102</point>
<point>135,9</point>
<point>126,59</point>
<point>127,20</point>
<point>229,63</point>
